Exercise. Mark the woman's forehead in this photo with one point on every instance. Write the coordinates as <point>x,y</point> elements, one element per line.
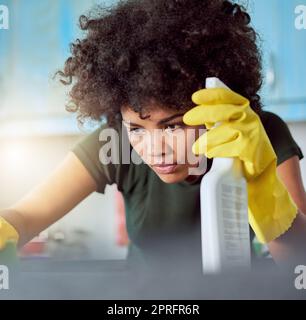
<point>153,115</point>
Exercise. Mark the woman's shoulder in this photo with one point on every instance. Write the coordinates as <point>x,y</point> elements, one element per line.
<point>280,137</point>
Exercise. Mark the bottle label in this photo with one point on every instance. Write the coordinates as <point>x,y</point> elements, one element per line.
<point>235,251</point>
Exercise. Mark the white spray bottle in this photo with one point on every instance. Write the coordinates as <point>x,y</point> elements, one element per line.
<point>224,213</point>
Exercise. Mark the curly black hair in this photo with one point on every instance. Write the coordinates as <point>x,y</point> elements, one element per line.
<point>144,52</point>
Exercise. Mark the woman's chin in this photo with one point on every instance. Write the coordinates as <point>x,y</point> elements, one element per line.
<point>172,177</point>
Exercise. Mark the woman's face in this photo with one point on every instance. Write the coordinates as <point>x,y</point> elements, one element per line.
<point>164,143</point>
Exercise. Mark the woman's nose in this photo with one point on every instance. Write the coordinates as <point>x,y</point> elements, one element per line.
<point>158,144</point>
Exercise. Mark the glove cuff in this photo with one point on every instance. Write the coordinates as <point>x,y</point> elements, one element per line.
<point>272,210</point>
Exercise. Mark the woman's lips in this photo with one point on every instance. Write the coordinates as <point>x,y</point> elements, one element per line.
<point>165,168</point>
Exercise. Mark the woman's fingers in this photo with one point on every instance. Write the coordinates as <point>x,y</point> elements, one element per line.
<point>211,114</point>
<point>218,96</point>
<point>223,141</point>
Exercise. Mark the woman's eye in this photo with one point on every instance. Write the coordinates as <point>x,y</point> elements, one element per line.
<point>137,130</point>
<point>172,127</point>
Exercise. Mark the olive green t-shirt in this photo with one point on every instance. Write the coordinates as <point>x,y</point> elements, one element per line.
<point>163,220</point>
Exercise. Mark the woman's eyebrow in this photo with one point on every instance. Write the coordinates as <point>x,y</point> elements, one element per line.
<point>163,121</point>
<point>160,122</point>
<point>132,124</point>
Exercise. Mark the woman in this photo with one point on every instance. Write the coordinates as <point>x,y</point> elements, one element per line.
<point>138,65</point>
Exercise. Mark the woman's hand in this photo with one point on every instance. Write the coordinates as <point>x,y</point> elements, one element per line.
<point>7,233</point>
<point>8,243</point>
<point>57,195</point>
<point>240,133</point>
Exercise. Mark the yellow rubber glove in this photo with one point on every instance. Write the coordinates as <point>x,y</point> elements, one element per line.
<point>7,233</point>
<point>241,134</point>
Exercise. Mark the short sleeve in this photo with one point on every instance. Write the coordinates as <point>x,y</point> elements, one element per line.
<point>281,138</point>
<point>88,151</point>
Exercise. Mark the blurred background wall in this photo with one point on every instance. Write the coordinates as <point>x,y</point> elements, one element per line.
<point>36,132</point>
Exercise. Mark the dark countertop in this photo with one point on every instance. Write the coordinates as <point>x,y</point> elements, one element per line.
<point>113,279</point>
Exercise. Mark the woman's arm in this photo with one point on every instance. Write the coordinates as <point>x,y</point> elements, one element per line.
<point>290,173</point>
<point>68,185</point>
<point>290,248</point>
